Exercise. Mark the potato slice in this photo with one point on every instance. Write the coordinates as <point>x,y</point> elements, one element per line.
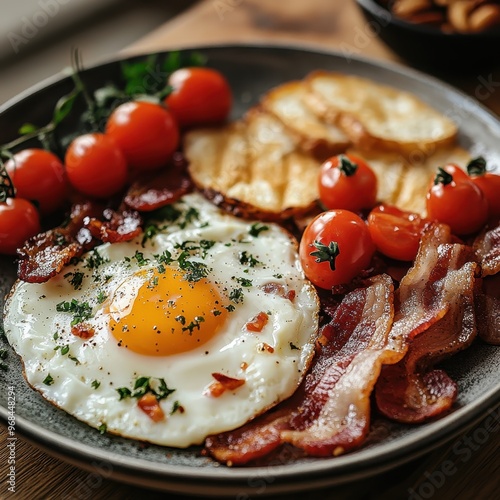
<point>253,168</point>
<point>378,117</point>
<point>419,176</point>
<point>313,135</point>
<point>404,183</point>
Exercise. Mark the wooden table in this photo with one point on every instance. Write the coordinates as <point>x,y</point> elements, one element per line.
<point>333,24</point>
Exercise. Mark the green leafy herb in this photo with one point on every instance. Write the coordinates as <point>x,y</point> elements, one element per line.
<point>257,228</point>
<point>236,295</point>
<point>48,380</point>
<point>75,279</point>
<point>143,386</point>
<point>248,259</point>
<point>176,407</point>
<point>81,311</point>
<point>244,282</point>
<point>103,428</point>
<point>95,260</point>
<point>194,271</point>
<point>101,297</point>
<point>95,384</point>
<point>326,253</point>
<point>194,324</point>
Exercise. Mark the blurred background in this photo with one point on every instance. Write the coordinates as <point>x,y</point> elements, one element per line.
<point>36,36</point>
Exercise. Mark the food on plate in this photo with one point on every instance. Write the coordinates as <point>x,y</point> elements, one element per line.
<point>146,133</point>
<point>458,202</point>
<point>199,96</point>
<point>451,16</point>
<point>38,175</point>
<point>84,162</point>
<point>375,116</point>
<point>335,247</point>
<point>489,183</point>
<point>147,337</point>
<point>346,181</point>
<point>254,167</point>
<point>172,321</point>
<point>287,103</point>
<point>19,220</point>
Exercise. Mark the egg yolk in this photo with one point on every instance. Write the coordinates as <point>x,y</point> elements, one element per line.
<point>159,314</point>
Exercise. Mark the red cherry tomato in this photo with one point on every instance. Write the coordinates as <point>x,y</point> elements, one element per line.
<point>39,176</point>
<point>460,204</point>
<point>96,166</point>
<point>489,183</point>
<point>335,247</point>
<point>347,182</point>
<point>19,220</point>
<point>200,96</point>
<point>396,233</point>
<point>147,133</point>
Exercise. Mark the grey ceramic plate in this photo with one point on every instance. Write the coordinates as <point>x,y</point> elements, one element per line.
<point>252,71</point>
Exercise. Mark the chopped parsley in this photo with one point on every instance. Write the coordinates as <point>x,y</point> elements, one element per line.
<point>181,319</point>
<point>293,347</point>
<point>95,260</point>
<point>64,349</point>
<point>244,282</point>
<point>164,258</point>
<point>150,231</point>
<point>195,271</point>
<point>257,228</point>
<point>101,297</point>
<point>236,296</point>
<point>139,257</point>
<point>143,386</point>
<point>176,407</point>
<point>102,428</point>
<point>95,384</point>
<point>248,259</point>
<point>194,324</point>
<point>81,312</point>
<point>48,380</point>
<point>75,279</point>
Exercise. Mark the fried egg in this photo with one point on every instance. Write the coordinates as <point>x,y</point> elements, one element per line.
<point>195,327</point>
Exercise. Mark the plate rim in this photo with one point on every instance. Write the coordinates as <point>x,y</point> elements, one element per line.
<point>401,450</point>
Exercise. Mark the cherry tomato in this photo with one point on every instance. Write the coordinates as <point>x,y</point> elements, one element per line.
<point>489,183</point>
<point>95,165</point>
<point>335,247</point>
<point>347,182</point>
<point>200,96</point>
<point>39,176</point>
<point>147,133</point>
<point>396,233</point>
<point>460,204</point>
<point>19,220</point>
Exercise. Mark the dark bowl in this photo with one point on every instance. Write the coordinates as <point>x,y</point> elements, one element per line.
<point>428,47</point>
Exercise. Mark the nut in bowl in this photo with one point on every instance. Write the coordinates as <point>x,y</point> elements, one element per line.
<point>438,34</point>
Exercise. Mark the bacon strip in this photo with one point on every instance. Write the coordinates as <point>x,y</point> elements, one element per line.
<point>488,310</point>
<point>118,226</point>
<point>435,319</point>
<point>46,254</point>
<point>155,192</point>
<point>487,249</point>
<point>330,412</point>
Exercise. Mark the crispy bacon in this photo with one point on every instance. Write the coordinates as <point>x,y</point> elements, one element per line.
<point>488,310</point>
<point>151,407</point>
<point>330,412</point>
<point>222,384</point>
<point>157,191</point>
<point>487,249</point>
<point>435,319</point>
<point>117,226</point>
<point>46,254</point>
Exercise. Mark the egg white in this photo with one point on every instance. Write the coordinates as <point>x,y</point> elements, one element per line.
<point>82,376</point>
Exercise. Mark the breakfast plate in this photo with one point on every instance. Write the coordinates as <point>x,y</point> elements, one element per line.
<point>252,70</point>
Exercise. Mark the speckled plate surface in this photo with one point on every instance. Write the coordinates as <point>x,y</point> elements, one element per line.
<point>252,70</point>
